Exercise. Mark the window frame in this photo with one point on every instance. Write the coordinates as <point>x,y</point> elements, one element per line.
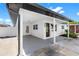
<point>62,26</point>
<point>35,27</point>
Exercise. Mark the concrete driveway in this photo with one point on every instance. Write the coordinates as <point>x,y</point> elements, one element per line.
<point>8,46</point>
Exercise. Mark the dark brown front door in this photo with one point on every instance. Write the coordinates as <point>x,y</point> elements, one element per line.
<point>47,29</point>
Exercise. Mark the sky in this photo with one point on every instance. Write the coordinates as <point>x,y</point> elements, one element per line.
<point>70,10</point>
<point>4,15</point>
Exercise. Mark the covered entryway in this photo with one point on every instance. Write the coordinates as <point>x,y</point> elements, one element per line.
<point>36,18</point>
<point>36,28</point>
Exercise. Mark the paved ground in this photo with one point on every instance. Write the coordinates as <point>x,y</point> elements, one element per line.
<point>72,44</point>
<point>32,44</point>
<point>8,46</point>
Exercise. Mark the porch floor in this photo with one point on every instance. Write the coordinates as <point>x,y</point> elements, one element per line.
<point>32,44</point>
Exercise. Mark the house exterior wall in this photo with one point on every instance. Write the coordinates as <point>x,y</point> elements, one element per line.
<point>40,20</point>
<point>41,32</point>
<point>37,33</point>
<point>59,31</point>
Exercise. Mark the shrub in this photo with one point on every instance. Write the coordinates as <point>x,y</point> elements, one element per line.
<point>71,34</point>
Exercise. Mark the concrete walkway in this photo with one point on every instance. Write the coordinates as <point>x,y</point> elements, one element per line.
<point>67,47</point>
<point>8,46</point>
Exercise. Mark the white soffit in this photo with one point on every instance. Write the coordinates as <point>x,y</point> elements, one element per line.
<point>31,16</point>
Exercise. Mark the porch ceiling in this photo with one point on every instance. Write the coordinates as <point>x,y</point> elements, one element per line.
<point>30,16</point>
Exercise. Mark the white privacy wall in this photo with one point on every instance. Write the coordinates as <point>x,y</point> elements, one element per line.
<point>8,31</point>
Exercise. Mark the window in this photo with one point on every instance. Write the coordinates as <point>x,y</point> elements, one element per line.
<point>62,27</point>
<point>35,27</point>
<point>56,27</point>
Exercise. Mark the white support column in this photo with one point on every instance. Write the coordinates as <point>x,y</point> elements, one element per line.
<point>54,39</point>
<point>22,53</point>
<point>21,36</point>
<point>68,30</point>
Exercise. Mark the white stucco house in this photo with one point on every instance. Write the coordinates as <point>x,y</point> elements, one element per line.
<point>35,20</point>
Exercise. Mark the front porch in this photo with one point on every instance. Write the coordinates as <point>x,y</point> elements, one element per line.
<point>32,46</point>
